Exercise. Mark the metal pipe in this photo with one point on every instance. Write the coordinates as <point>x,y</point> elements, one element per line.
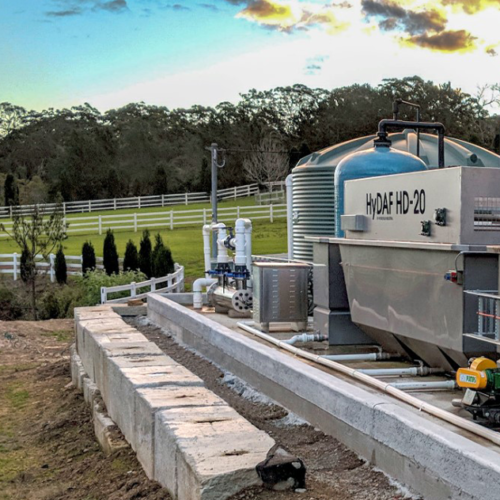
<point>460,422</point>
<point>414,371</point>
<point>289,214</point>
<point>366,356</point>
<point>383,125</point>
<point>411,386</point>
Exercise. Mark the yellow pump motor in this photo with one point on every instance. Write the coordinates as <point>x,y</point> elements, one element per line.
<point>475,377</point>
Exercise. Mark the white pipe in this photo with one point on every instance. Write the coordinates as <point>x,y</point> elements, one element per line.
<point>248,245</point>
<point>207,231</point>
<point>304,337</point>
<point>414,371</point>
<point>460,422</point>
<point>410,386</point>
<point>289,214</point>
<point>197,289</point>
<point>222,255</point>
<point>367,356</point>
<point>240,258</point>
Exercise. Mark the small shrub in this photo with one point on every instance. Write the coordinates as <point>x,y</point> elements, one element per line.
<point>131,258</point>
<point>59,302</point>
<point>10,308</point>
<point>88,257</point>
<point>92,282</point>
<point>60,267</point>
<point>163,262</point>
<point>145,254</point>
<point>110,254</point>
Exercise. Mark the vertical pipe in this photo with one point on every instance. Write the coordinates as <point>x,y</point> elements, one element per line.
<point>213,152</point>
<point>289,215</point>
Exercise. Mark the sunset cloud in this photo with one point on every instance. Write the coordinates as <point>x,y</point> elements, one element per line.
<point>446,41</point>
<point>473,6</point>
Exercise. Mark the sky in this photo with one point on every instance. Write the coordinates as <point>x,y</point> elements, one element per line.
<point>176,53</point>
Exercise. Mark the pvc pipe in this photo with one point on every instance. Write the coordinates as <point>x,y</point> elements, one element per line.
<point>222,255</point>
<point>241,242</point>
<point>414,371</point>
<point>207,231</point>
<point>460,422</point>
<point>304,337</point>
<point>411,386</point>
<point>197,289</point>
<point>248,245</point>
<point>367,356</point>
<point>289,214</point>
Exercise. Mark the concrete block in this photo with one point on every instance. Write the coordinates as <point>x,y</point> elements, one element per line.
<point>106,431</point>
<point>152,399</point>
<point>125,374</point>
<point>207,453</point>
<point>90,392</point>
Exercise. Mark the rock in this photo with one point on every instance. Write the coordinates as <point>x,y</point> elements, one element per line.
<point>281,471</point>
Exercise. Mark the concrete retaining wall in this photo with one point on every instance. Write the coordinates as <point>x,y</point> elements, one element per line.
<point>186,438</point>
<point>429,458</point>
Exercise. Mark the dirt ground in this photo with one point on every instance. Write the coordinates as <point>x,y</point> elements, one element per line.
<point>48,450</point>
<point>333,471</point>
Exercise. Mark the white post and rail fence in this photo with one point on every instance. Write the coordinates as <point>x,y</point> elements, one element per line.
<point>139,202</point>
<point>174,282</point>
<point>169,219</point>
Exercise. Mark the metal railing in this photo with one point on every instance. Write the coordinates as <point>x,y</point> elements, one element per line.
<point>138,202</point>
<point>488,314</point>
<point>10,263</point>
<point>174,283</point>
<point>165,219</point>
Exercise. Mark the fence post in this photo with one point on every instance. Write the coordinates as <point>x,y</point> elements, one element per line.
<point>10,211</point>
<point>186,198</point>
<point>114,203</point>
<point>103,295</point>
<point>171,220</point>
<point>138,202</point>
<point>52,270</point>
<point>14,261</point>
<point>132,289</point>
<point>238,212</point>
<point>153,284</point>
<point>64,208</point>
<point>204,216</point>
<point>162,200</point>
<point>135,222</point>
<point>248,190</point>
<point>90,206</point>
<point>235,193</point>
<point>271,215</point>
<point>100,225</point>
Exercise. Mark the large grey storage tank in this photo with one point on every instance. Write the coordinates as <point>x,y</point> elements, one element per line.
<point>313,192</point>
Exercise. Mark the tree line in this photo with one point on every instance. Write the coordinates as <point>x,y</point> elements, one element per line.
<point>81,153</point>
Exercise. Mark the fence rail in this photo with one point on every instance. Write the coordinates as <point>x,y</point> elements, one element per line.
<point>169,219</point>
<point>174,283</point>
<point>163,200</point>
<point>10,263</point>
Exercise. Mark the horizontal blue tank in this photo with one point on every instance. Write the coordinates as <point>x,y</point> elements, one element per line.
<point>374,162</point>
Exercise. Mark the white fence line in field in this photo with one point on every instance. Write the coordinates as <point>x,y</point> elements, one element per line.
<point>174,283</point>
<point>73,264</point>
<point>168,219</point>
<point>162,200</point>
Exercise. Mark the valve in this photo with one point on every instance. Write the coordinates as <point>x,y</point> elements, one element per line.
<point>426,228</point>
<point>440,216</point>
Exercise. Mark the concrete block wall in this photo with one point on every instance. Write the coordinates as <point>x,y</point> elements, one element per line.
<point>186,438</point>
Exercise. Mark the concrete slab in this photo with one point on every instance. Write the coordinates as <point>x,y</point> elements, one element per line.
<point>207,453</point>
<point>432,458</point>
<point>150,400</point>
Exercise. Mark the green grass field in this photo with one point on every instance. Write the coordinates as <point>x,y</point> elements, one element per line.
<point>186,243</point>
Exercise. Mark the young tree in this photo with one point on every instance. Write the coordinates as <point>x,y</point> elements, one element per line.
<point>110,254</point>
<point>36,234</point>
<point>163,263</point>
<point>145,254</point>
<point>60,267</point>
<point>11,191</point>
<point>88,257</point>
<point>131,258</point>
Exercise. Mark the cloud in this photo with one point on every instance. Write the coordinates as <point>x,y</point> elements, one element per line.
<point>491,50</point>
<point>394,17</point>
<point>446,41</point>
<point>74,11</point>
<point>209,6</point>
<point>472,6</point>
<point>292,15</point>
<point>78,7</point>
<point>176,6</point>
<point>315,64</point>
